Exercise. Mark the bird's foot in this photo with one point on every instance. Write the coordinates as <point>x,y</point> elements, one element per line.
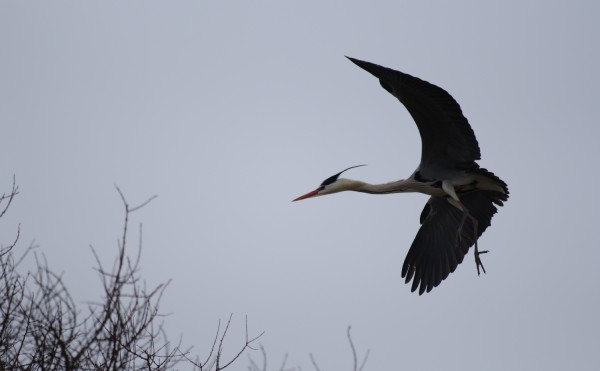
<point>478,260</point>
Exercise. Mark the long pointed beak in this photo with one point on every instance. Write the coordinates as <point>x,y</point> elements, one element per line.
<point>308,195</point>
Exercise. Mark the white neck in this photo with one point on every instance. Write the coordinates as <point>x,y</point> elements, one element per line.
<point>399,186</point>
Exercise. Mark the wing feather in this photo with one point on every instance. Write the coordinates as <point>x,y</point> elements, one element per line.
<point>448,141</point>
<point>435,251</point>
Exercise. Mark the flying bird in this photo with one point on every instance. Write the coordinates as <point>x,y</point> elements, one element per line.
<point>463,195</point>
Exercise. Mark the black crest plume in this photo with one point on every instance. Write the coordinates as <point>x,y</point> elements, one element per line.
<point>335,177</point>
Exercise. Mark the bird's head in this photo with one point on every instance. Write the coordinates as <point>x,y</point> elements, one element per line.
<point>333,184</point>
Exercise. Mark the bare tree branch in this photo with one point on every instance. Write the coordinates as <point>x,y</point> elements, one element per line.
<point>254,367</point>
<point>41,327</point>
<point>354,356</point>
<point>314,362</point>
<point>11,195</point>
<point>214,362</point>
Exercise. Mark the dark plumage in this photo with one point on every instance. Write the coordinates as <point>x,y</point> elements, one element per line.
<point>464,196</point>
<point>433,254</point>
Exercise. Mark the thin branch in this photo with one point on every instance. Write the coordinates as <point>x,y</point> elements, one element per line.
<point>201,365</point>
<point>247,345</point>
<point>282,368</point>
<point>264,354</point>
<point>127,208</point>
<point>14,191</point>
<point>354,355</point>
<point>314,362</point>
<point>354,358</point>
<point>254,366</point>
<point>364,362</point>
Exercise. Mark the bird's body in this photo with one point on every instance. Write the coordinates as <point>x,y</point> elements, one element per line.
<point>463,196</point>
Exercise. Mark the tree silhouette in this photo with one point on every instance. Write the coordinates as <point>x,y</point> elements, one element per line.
<point>42,327</point>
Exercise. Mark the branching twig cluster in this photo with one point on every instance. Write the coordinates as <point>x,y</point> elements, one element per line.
<point>214,360</point>
<point>7,199</point>
<point>41,326</point>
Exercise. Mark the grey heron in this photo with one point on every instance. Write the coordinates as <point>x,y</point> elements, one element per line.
<point>463,195</point>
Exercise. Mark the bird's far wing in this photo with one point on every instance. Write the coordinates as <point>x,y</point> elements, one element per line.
<point>436,252</point>
<point>448,141</point>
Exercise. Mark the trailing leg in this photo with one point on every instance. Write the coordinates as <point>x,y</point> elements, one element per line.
<point>453,199</point>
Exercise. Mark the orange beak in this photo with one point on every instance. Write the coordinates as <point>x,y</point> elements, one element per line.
<point>308,195</point>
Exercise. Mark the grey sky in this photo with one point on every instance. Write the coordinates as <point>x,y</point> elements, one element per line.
<point>228,110</point>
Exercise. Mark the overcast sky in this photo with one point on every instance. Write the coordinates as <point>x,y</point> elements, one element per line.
<point>229,109</point>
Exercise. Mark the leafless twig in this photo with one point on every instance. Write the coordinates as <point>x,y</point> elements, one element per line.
<point>213,361</point>
<point>314,362</point>
<point>354,356</point>
<point>254,366</point>
<point>11,195</point>
<point>41,327</point>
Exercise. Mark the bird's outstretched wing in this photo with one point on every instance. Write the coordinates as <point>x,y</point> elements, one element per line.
<point>436,251</point>
<point>448,141</point>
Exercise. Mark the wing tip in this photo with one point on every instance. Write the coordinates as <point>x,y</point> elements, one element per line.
<point>374,69</point>
<point>358,62</point>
